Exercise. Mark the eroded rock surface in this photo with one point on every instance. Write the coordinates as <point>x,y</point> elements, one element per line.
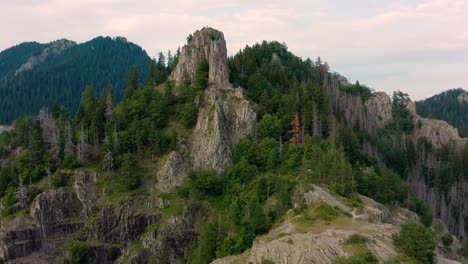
<point>379,110</point>
<point>205,44</point>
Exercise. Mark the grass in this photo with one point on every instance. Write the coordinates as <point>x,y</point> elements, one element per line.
<point>318,216</point>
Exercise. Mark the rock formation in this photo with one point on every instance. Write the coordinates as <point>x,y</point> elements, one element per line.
<point>208,45</point>
<point>463,98</point>
<point>289,244</point>
<point>378,110</point>
<point>225,115</point>
<point>53,49</point>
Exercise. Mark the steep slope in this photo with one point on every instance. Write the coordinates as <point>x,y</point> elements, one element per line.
<point>34,75</point>
<point>310,239</point>
<point>451,106</point>
<point>224,118</point>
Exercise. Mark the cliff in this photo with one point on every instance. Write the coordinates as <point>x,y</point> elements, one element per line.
<point>307,240</point>
<point>225,115</point>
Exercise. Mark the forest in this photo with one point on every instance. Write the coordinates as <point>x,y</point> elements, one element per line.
<point>102,63</point>
<point>298,141</point>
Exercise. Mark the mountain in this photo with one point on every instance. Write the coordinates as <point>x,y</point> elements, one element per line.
<point>261,157</point>
<point>34,75</point>
<point>451,106</point>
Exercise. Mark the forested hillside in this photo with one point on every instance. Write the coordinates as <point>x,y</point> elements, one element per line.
<point>447,106</point>
<point>193,172</point>
<point>61,75</point>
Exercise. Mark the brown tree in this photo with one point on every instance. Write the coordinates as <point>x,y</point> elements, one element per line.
<point>296,129</point>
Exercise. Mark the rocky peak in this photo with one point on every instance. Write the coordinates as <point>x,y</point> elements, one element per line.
<point>463,98</point>
<point>206,44</point>
<point>379,109</point>
<point>54,48</point>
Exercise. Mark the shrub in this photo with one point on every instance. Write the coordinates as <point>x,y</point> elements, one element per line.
<point>447,240</point>
<point>77,253</point>
<point>356,239</point>
<point>416,241</point>
<point>207,182</point>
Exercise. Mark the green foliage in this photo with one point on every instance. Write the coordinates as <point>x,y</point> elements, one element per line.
<point>201,78</point>
<point>356,239</point>
<point>365,257</point>
<point>358,89</point>
<point>464,248</point>
<point>445,106</point>
<point>416,241</point>
<point>77,252</point>
<point>130,172</point>
<point>447,240</point>
<point>422,209</point>
<point>102,63</point>
<point>269,126</point>
<point>207,182</point>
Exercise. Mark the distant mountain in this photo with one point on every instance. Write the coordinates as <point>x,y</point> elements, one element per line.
<point>451,106</point>
<point>33,75</point>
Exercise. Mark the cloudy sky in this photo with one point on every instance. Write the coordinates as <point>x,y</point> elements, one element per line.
<point>420,47</point>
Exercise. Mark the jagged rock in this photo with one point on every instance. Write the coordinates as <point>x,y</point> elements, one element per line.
<point>120,225</point>
<point>224,118</point>
<point>225,115</point>
<point>19,238</point>
<point>56,213</point>
<point>171,241</point>
<point>411,106</point>
<point>173,172</point>
<point>53,49</point>
<point>343,81</point>
<point>85,188</point>
<point>463,98</point>
<point>378,110</point>
<point>205,44</point>
<point>325,243</point>
<point>438,132</point>
<point>102,254</point>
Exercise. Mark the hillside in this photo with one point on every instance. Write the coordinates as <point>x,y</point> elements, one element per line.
<point>34,75</point>
<point>450,106</point>
<point>261,157</point>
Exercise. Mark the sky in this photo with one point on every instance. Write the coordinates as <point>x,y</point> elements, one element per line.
<point>419,47</point>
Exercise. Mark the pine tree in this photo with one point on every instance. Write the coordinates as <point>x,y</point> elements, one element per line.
<point>132,82</point>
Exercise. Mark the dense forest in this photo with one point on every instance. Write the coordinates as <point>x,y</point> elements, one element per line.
<point>446,106</point>
<point>298,140</point>
<point>102,63</point>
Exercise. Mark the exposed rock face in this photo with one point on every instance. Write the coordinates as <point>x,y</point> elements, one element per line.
<point>53,49</point>
<point>411,106</point>
<point>463,98</point>
<point>325,244</point>
<point>205,44</point>
<point>56,214</point>
<point>379,109</point>
<point>174,171</point>
<point>225,115</point>
<point>171,240</point>
<point>119,225</point>
<point>85,188</point>
<point>19,238</point>
<point>438,132</point>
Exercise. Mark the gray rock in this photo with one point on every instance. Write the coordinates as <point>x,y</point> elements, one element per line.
<point>378,110</point>
<point>206,44</point>
<point>53,49</point>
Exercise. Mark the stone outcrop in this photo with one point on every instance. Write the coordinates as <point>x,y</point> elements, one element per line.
<point>438,132</point>
<point>378,110</point>
<point>225,115</point>
<point>53,49</point>
<point>287,244</point>
<point>208,45</point>
<point>225,118</point>
<point>85,188</point>
<point>463,98</point>
<point>324,243</point>
<point>120,225</point>
<point>19,238</point>
<point>56,213</point>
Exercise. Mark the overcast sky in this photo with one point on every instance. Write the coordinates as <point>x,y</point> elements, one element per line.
<point>420,47</point>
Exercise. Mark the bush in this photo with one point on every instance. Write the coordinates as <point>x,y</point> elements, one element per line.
<point>356,239</point>
<point>447,240</point>
<point>77,253</point>
<point>207,182</point>
<point>416,241</point>
<point>365,257</point>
